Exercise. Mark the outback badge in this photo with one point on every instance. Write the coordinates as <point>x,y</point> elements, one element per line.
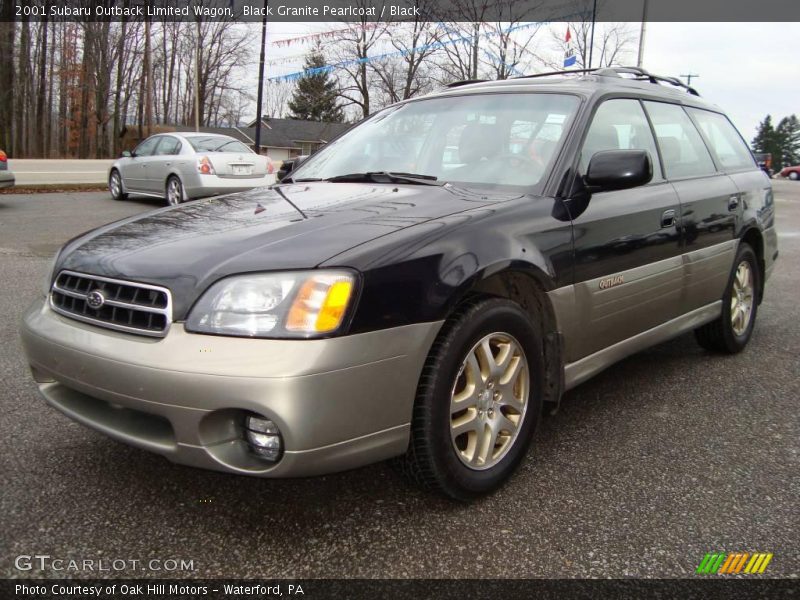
<point>610,282</point>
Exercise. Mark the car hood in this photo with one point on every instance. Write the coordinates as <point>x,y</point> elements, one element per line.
<point>297,226</point>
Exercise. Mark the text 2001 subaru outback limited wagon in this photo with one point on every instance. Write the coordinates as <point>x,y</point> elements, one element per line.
<point>421,288</point>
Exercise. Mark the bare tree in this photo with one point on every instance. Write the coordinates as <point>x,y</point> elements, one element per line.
<point>352,49</point>
<point>407,75</point>
<point>509,46</point>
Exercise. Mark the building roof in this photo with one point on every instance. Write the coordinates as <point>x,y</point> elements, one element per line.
<point>275,133</point>
<point>288,133</point>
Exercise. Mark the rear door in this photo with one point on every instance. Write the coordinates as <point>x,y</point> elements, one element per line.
<point>710,203</point>
<point>628,275</point>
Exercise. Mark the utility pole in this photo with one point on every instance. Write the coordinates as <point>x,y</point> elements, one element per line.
<point>591,40</point>
<point>260,99</point>
<point>689,77</point>
<point>642,32</point>
<point>197,79</point>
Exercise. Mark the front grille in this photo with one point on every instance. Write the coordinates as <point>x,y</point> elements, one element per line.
<point>123,305</point>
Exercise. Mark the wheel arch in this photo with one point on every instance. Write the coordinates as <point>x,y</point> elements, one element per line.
<point>526,285</point>
<point>116,169</point>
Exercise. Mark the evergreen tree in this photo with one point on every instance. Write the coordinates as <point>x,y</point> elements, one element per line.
<point>768,140</point>
<point>788,135</point>
<point>316,97</point>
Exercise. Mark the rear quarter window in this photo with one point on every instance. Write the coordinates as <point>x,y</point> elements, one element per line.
<point>729,147</point>
<point>682,149</point>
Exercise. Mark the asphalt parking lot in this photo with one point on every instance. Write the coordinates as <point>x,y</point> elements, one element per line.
<point>664,457</point>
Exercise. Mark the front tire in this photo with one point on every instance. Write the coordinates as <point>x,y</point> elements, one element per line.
<point>174,191</point>
<point>115,186</point>
<point>730,333</point>
<point>794,176</point>
<point>478,402</point>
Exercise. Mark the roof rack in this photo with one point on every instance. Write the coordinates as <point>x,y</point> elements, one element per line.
<point>465,82</point>
<point>549,73</point>
<point>639,75</point>
<point>642,75</point>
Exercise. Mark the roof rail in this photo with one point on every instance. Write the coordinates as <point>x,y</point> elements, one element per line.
<point>465,82</point>
<point>555,73</point>
<point>642,75</point>
<point>638,73</point>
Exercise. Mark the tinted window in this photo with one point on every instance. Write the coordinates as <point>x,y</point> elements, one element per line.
<point>147,147</point>
<point>169,145</point>
<point>217,143</point>
<point>682,148</point>
<point>620,125</point>
<point>726,142</point>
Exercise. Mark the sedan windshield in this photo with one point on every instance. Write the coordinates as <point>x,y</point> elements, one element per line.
<point>217,143</point>
<point>494,140</point>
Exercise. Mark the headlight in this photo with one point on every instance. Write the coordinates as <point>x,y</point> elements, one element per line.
<point>299,304</point>
<point>48,278</point>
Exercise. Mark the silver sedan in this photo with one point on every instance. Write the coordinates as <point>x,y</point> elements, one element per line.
<point>185,166</point>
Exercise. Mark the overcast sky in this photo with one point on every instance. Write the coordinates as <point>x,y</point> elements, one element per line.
<point>748,69</point>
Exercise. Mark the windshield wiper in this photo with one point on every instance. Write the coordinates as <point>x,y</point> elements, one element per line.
<point>387,177</point>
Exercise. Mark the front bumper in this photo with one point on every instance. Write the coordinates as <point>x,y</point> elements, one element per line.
<point>340,403</point>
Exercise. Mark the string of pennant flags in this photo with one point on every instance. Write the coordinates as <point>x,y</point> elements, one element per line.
<point>395,53</point>
<point>319,36</point>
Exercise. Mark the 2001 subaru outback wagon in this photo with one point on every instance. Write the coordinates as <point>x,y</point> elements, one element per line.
<point>422,288</point>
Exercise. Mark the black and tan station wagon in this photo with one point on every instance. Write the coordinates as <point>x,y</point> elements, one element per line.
<point>421,289</point>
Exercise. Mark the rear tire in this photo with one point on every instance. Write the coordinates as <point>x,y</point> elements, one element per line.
<point>174,191</point>
<point>478,402</point>
<point>730,333</point>
<point>794,176</point>
<point>115,186</point>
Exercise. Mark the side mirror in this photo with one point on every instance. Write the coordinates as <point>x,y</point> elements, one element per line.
<point>126,154</point>
<point>619,170</point>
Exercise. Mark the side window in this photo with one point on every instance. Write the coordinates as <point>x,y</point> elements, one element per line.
<point>147,147</point>
<point>682,149</point>
<point>726,142</point>
<point>620,124</point>
<point>168,146</point>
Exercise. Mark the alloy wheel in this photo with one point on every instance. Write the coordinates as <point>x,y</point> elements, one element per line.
<point>174,192</point>
<point>742,298</point>
<point>116,185</point>
<point>489,400</point>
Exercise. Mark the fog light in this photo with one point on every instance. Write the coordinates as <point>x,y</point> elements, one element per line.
<point>263,437</point>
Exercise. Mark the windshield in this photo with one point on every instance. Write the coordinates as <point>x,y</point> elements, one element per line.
<point>495,140</point>
<point>217,143</point>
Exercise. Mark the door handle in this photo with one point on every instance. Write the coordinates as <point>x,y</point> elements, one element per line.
<point>733,202</point>
<point>668,218</point>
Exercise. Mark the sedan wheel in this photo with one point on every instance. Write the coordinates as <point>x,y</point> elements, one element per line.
<point>115,186</point>
<point>174,191</point>
<point>793,175</point>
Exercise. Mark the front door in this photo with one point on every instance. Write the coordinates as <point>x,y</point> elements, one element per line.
<point>628,267</point>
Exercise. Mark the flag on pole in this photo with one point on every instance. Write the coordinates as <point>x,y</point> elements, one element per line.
<point>569,55</point>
